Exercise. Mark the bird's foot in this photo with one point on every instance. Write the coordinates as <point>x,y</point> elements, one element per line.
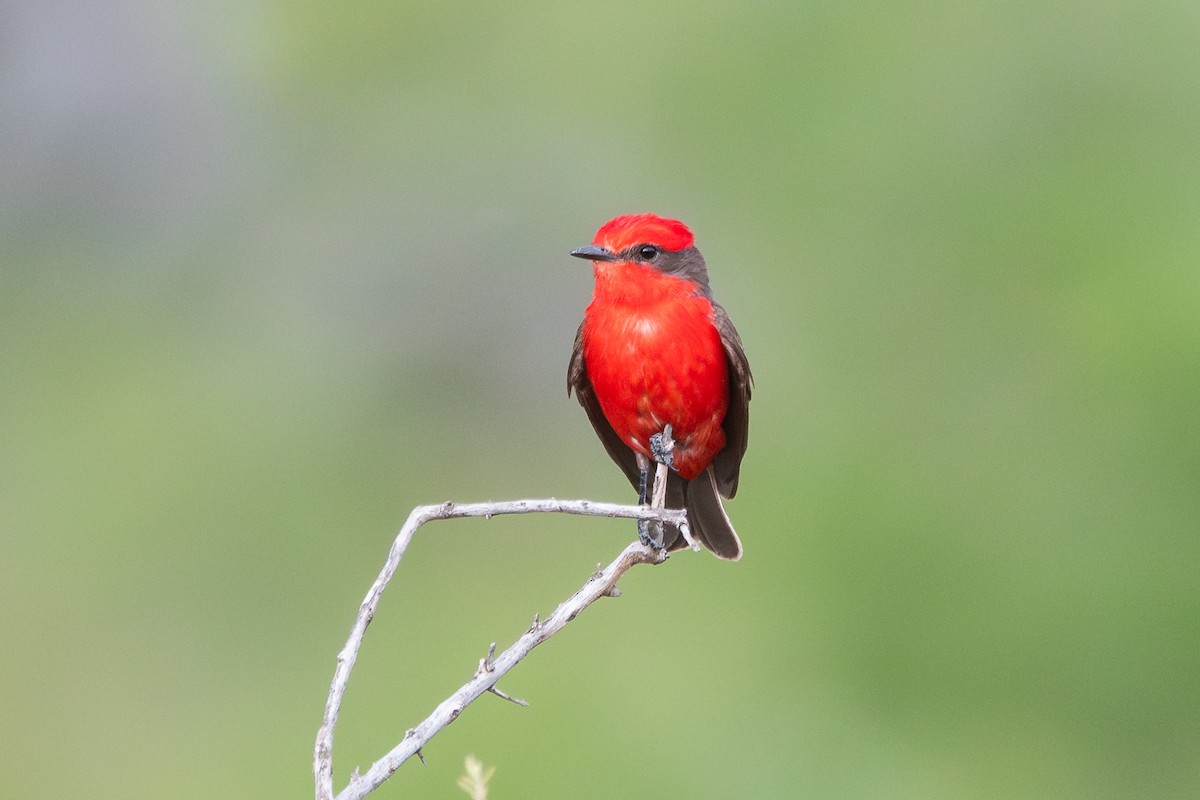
<point>662,447</point>
<point>650,533</point>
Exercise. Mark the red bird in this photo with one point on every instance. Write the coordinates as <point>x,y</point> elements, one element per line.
<point>654,350</point>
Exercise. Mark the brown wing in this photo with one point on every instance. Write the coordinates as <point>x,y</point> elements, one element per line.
<point>579,382</point>
<point>728,462</point>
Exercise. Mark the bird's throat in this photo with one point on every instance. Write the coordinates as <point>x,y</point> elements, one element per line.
<point>628,284</point>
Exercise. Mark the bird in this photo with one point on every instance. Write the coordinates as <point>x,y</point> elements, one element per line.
<point>656,354</point>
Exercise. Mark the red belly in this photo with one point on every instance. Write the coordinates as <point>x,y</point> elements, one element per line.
<point>660,364</point>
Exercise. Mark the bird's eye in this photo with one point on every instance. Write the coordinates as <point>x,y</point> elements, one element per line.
<point>647,252</point>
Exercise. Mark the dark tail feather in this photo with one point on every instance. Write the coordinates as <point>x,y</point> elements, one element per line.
<point>707,521</point>
<point>676,498</point>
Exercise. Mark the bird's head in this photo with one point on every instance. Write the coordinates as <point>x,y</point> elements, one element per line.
<point>648,240</point>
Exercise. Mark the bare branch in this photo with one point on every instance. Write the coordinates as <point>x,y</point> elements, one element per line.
<point>598,585</point>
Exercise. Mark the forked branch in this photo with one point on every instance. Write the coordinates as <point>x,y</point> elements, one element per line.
<point>598,585</point>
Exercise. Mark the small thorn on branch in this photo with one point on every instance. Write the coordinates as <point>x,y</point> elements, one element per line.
<point>421,756</point>
<point>496,691</point>
<point>487,664</point>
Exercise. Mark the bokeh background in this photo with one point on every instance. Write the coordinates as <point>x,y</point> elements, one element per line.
<point>275,272</point>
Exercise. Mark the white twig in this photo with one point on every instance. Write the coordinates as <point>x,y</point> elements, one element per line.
<point>598,585</point>
<point>659,498</point>
<point>662,446</point>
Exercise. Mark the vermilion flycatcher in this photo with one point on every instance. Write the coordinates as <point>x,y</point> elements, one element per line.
<point>655,350</point>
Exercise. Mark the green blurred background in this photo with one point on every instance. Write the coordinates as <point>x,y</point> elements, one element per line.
<point>274,273</point>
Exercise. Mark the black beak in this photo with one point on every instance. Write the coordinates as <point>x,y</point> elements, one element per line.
<point>594,252</point>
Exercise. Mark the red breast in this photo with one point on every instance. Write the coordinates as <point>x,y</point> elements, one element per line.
<point>652,352</point>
